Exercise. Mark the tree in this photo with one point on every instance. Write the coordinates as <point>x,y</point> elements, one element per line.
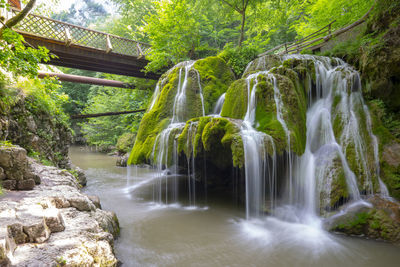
<point>240,6</point>
<point>86,13</point>
<point>17,18</point>
<point>174,33</point>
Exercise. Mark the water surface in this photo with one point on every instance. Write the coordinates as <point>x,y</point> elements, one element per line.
<point>215,233</point>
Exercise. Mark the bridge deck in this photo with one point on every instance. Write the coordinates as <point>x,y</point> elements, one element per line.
<point>83,48</point>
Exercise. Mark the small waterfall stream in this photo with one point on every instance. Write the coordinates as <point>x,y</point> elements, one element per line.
<point>166,160</point>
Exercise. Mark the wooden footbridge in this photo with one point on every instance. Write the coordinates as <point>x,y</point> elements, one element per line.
<point>83,48</point>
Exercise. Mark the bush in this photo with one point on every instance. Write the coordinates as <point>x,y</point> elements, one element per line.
<point>237,58</point>
<point>125,142</point>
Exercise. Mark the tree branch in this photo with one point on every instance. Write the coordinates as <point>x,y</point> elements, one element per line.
<point>232,6</point>
<point>17,18</point>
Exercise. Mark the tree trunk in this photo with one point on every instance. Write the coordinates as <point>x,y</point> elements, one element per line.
<point>17,18</point>
<point>242,28</point>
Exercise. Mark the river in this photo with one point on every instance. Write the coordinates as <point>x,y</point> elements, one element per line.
<point>212,234</point>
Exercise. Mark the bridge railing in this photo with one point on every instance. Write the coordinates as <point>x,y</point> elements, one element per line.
<point>298,45</point>
<point>73,35</point>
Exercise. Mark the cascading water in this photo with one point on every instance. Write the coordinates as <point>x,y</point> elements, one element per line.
<point>310,177</point>
<point>218,107</point>
<point>256,155</point>
<point>292,187</point>
<point>164,158</point>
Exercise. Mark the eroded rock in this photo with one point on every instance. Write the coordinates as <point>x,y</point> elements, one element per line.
<point>54,220</point>
<point>64,225</point>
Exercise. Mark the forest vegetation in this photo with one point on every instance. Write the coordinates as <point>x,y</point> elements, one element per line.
<point>177,30</point>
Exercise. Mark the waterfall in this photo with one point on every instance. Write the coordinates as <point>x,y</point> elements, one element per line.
<point>256,156</point>
<point>340,154</point>
<point>218,106</point>
<point>164,152</point>
<point>310,177</point>
<point>180,105</point>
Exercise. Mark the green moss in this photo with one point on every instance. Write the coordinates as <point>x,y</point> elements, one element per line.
<point>339,190</point>
<point>218,137</point>
<point>215,77</point>
<point>263,63</point>
<point>125,142</point>
<point>293,111</point>
<point>355,224</point>
<point>235,104</point>
<point>376,223</point>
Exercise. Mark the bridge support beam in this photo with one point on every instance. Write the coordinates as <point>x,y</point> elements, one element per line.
<point>85,116</point>
<point>87,80</point>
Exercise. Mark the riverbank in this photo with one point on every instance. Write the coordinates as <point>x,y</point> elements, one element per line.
<point>55,224</point>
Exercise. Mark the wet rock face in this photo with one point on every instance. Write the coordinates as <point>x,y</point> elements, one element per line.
<point>15,172</point>
<point>26,125</point>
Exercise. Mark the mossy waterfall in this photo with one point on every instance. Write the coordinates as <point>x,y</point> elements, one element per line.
<point>292,138</point>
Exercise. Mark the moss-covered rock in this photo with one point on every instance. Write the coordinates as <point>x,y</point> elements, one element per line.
<point>262,63</point>
<point>215,78</point>
<point>235,104</point>
<point>389,149</point>
<point>218,137</point>
<point>380,221</point>
<point>293,111</point>
<point>333,185</point>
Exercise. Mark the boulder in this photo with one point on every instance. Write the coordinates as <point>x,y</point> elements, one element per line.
<point>122,160</point>
<point>378,218</point>
<point>26,184</point>
<point>82,203</point>
<point>16,233</point>
<point>95,200</point>
<point>54,220</point>
<point>31,217</point>
<point>59,202</point>
<point>10,184</point>
<point>108,221</point>
<point>37,232</point>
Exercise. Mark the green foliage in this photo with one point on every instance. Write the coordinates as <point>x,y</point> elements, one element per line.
<point>238,57</point>
<point>105,131</point>
<point>39,157</point>
<point>89,11</point>
<point>6,144</point>
<point>43,96</point>
<point>319,13</point>
<point>390,120</point>
<point>125,142</point>
<point>173,40</point>
<point>18,59</point>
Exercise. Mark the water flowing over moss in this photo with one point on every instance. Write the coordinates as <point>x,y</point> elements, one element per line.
<point>206,80</point>
<point>304,116</point>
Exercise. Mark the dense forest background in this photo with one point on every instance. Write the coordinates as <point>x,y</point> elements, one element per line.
<point>236,30</point>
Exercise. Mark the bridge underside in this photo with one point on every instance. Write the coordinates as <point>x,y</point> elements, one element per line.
<point>75,56</point>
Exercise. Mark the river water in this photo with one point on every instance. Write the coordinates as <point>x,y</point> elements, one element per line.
<point>212,234</point>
